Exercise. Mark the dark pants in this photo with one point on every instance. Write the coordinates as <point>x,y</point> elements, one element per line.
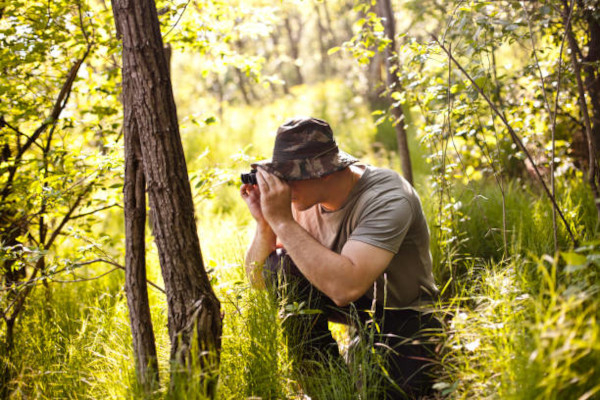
<point>403,338</point>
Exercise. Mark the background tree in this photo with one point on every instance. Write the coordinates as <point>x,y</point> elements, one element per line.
<point>585,69</point>
<point>134,191</point>
<point>394,88</point>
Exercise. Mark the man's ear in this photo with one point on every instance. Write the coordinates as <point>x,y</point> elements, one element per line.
<point>330,177</point>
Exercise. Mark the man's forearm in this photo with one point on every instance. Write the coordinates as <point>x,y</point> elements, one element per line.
<point>262,245</point>
<point>323,267</point>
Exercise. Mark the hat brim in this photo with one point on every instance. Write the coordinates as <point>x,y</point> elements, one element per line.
<point>295,170</point>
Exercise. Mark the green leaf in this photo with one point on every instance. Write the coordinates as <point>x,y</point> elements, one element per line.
<point>574,258</point>
<point>397,96</point>
<point>333,50</point>
<point>481,81</point>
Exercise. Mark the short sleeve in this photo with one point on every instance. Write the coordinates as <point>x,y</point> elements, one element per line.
<point>384,222</point>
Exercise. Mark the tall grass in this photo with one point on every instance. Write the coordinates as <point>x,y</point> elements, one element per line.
<point>526,329</point>
<point>522,324</point>
<point>73,341</point>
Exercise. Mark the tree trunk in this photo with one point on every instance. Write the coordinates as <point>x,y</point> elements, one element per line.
<point>334,38</point>
<point>392,65</point>
<point>593,168</point>
<point>295,47</point>
<point>6,367</point>
<point>194,319</point>
<point>247,92</point>
<point>323,64</point>
<point>592,83</point>
<point>375,86</point>
<point>242,86</point>
<point>168,54</point>
<point>592,75</point>
<point>135,256</point>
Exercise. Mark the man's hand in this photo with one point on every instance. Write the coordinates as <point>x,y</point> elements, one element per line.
<point>251,195</point>
<point>264,241</point>
<point>275,199</point>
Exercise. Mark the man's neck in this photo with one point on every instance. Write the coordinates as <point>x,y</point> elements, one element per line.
<point>340,186</point>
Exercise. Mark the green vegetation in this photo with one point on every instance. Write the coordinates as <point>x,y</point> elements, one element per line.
<point>523,326</point>
<point>522,316</point>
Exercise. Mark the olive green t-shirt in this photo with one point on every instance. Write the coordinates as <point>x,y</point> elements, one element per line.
<point>382,210</point>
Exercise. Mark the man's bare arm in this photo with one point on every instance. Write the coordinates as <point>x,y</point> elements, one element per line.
<point>264,240</point>
<point>262,245</point>
<point>342,277</point>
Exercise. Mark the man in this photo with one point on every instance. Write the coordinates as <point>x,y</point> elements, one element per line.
<point>355,239</point>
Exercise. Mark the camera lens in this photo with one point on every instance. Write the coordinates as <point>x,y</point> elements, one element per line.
<point>249,178</point>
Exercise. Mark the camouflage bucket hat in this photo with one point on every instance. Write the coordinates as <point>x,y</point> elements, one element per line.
<point>305,149</point>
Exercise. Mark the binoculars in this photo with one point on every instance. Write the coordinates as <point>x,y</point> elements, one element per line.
<point>249,177</point>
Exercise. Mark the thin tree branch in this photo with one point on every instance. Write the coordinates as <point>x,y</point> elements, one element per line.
<point>81,24</point>
<point>176,22</point>
<point>3,123</point>
<point>94,211</point>
<point>19,299</point>
<point>85,279</point>
<point>60,103</point>
<point>34,282</point>
<point>551,116</point>
<point>513,135</point>
<point>444,147</point>
<point>483,145</point>
<point>119,266</point>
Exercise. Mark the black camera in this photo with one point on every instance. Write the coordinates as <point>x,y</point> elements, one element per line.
<point>250,177</point>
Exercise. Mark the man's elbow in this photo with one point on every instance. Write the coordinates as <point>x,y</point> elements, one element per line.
<point>345,297</point>
<point>254,274</point>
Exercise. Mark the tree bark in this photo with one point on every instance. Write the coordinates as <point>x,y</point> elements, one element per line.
<point>247,93</point>
<point>275,39</point>
<point>242,86</point>
<point>323,64</point>
<point>592,75</point>
<point>134,191</point>
<point>330,29</point>
<point>593,168</point>
<point>295,47</point>
<point>194,318</point>
<point>392,65</point>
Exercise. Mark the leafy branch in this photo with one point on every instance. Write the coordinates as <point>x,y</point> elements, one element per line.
<point>59,106</point>
<point>36,281</point>
<point>516,139</point>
